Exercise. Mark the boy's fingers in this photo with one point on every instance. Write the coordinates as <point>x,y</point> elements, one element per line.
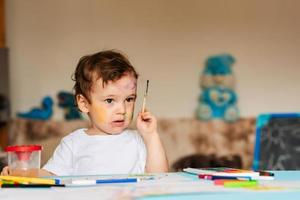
<point>5,171</point>
<point>145,115</point>
<point>145,111</point>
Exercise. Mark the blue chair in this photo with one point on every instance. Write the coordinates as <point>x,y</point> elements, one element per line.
<point>277,144</point>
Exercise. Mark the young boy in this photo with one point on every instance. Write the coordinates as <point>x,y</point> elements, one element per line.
<point>105,89</point>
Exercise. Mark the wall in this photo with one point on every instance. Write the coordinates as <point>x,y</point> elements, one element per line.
<point>167,41</point>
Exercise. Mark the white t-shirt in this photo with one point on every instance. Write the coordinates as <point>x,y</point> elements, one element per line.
<point>81,154</point>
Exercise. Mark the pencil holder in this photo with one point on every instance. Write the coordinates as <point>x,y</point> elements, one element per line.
<point>24,160</point>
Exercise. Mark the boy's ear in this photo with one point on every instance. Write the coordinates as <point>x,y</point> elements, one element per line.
<point>82,103</point>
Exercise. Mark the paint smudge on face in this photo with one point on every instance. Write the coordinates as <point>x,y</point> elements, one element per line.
<point>129,115</point>
<point>100,114</point>
<point>131,85</point>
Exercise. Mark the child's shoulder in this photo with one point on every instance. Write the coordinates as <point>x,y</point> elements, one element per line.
<point>78,133</point>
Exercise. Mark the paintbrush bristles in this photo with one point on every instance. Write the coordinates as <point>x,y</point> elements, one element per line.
<point>147,87</point>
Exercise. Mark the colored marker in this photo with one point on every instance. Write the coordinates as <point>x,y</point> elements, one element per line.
<point>103,181</point>
<point>216,177</point>
<point>19,179</point>
<point>222,181</point>
<point>265,173</point>
<point>30,185</point>
<point>238,184</point>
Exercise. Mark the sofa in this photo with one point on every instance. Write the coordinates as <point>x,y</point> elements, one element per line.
<point>183,138</point>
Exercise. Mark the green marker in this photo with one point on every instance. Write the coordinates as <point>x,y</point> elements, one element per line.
<point>239,184</point>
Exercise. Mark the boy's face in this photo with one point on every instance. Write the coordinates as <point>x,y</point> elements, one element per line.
<point>111,108</point>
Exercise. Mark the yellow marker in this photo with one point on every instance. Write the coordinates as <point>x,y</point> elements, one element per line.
<point>28,180</point>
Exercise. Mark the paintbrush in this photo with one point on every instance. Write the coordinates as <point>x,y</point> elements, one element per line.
<point>144,101</point>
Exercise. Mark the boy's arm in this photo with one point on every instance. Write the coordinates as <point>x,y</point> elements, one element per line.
<point>156,157</point>
<point>43,172</point>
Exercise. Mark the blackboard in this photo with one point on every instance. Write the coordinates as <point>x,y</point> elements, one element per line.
<point>277,144</point>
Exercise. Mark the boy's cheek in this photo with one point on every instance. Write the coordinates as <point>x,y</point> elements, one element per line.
<point>100,115</point>
<point>129,113</point>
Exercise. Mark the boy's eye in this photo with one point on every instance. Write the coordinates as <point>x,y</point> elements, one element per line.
<point>130,99</point>
<point>108,100</point>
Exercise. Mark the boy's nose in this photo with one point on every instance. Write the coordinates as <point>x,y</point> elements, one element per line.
<point>122,108</point>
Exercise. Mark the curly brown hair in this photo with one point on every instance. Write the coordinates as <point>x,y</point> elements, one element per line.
<point>108,65</point>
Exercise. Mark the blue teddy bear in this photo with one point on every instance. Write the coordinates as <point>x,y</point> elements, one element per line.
<point>218,98</point>
<point>218,102</point>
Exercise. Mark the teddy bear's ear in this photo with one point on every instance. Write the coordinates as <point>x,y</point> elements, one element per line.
<point>229,59</point>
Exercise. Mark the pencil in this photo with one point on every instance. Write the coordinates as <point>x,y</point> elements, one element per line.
<point>144,101</point>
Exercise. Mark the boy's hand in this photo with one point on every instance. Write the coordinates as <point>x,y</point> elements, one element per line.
<point>5,171</point>
<point>146,124</point>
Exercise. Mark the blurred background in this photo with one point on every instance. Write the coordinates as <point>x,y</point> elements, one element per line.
<point>167,41</point>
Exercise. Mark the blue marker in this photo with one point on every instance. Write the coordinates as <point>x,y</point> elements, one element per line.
<point>103,181</point>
